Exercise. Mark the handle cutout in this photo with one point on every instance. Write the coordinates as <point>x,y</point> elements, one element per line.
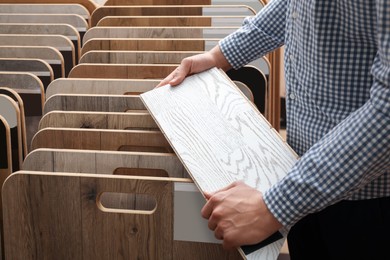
<point>141,172</point>
<point>129,203</point>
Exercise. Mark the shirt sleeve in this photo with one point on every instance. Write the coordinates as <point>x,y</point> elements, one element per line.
<point>351,156</point>
<point>259,35</point>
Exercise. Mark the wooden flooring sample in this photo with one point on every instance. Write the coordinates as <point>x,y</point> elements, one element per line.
<point>221,137</point>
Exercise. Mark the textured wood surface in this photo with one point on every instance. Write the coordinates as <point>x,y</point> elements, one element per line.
<point>174,10</point>
<point>45,9</point>
<point>146,45</point>
<point>90,5</point>
<point>162,21</point>
<point>101,139</point>
<point>75,20</point>
<point>98,120</point>
<point>136,57</point>
<point>159,32</point>
<point>46,53</point>
<point>157,2</point>
<point>218,120</point>
<point>61,217</point>
<point>102,103</point>
<point>100,86</point>
<point>61,43</point>
<point>102,162</point>
<point>66,30</point>
<point>120,71</point>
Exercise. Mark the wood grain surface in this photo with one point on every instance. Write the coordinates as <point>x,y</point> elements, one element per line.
<point>98,120</point>
<point>101,139</point>
<point>102,103</point>
<point>220,137</point>
<point>157,2</point>
<point>136,57</point>
<point>174,10</point>
<point>60,42</point>
<point>162,21</point>
<point>45,9</point>
<point>102,162</point>
<point>46,53</point>
<point>146,45</point>
<point>122,71</point>
<point>60,216</point>
<point>100,86</point>
<point>159,32</point>
<point>90,5</point>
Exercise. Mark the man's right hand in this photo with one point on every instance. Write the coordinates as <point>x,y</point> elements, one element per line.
<point>196,64</point>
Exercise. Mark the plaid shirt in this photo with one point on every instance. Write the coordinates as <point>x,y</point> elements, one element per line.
<point>337,65</point>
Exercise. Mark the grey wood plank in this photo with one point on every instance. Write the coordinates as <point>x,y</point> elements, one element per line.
<point>102,162</point>
<point>102,103</point>
<point>100,86</point>
<point>98,120</point>
<point>221,137</point>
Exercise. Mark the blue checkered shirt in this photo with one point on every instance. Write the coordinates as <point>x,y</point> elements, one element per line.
<point>337,66</point>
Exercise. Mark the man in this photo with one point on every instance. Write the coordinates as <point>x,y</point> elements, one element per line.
<point>336,199</point>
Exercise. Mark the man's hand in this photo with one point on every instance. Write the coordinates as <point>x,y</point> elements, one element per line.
<point>196,64</point>
<point>238,215</point>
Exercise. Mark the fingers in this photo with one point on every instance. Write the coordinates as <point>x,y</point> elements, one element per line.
<point>179,74</point>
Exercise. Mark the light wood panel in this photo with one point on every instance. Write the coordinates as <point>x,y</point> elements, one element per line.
<point>214,114</point>
<point>100,86</point>
<point>59,42</point>
<point>46,53</point>
<point>159,32</point>
<point>45,9</point>
<point>175,10</point>
<point>162,21</point>
<point>136,57</point>
<point>101,139</point>
<point>148,44</point>
<point>75,20</point>
<point>102,103</point>
<point>61,217</point>
<point>98,120</point>
<point>88,4</point>
<point>120,71</point>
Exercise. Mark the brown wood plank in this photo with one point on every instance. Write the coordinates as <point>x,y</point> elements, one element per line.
<point>157,2</point>
<point>145,45</point>
<point>102,103</point>
<point>101,139</point>
<point>116,71</point>
<point>49,211</point>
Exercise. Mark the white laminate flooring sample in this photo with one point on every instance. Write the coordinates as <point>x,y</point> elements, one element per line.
<point>221,137</point>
